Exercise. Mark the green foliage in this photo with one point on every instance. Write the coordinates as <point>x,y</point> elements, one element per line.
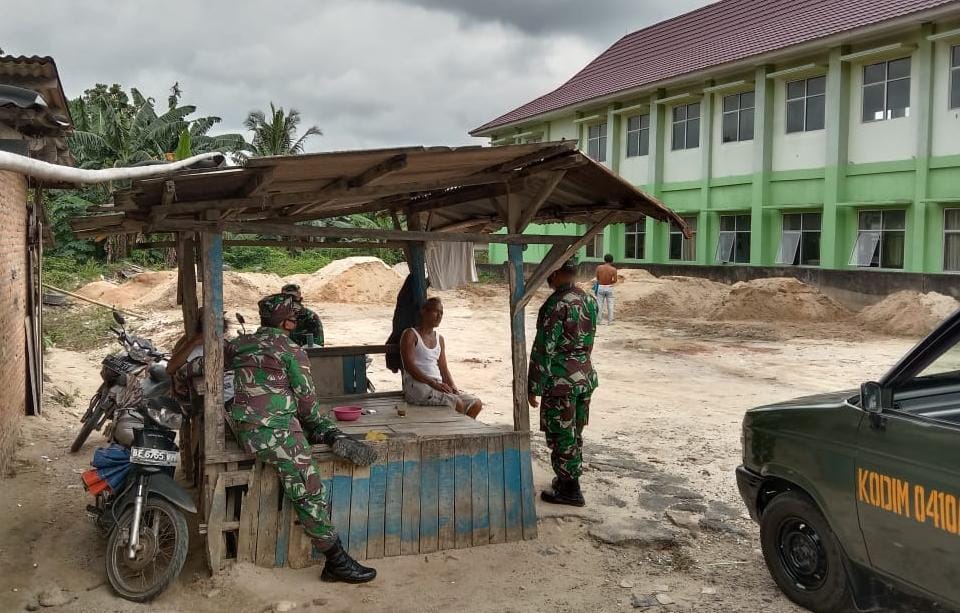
<point>68,273</point>
<point>276,134</point>
<point>282,262</point>
<point>77,328</point>
<point>183,147</point>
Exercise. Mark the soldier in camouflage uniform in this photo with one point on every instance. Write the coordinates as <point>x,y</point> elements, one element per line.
<point>277,417</point>
<point>563,376</point>
<point>308,322</point>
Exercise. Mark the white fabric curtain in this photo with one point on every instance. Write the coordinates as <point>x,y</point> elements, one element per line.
<point>450,265</point>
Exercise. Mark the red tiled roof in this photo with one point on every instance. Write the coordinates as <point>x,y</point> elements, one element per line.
<point>727,31</point>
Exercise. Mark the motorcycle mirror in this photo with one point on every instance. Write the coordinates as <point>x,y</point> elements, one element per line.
<point>241,319</point>
<point>117,317</point>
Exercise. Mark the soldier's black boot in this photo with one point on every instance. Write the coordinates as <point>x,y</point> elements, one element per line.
<point>341,567</point>
<point>565,491</point>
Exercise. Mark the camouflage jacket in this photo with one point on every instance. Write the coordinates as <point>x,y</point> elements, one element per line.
<point>560,358</point>
<point>272,382</point>
<point>308,323</point>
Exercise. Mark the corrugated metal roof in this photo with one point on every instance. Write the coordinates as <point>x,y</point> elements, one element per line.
<point>720,33</point>
<point>39,74</point>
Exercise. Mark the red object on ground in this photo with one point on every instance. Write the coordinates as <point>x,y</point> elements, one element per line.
<point>347,413</point>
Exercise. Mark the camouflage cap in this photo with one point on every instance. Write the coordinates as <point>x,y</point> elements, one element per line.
<point>570,266</point>
<point>277,308</point>
<point>291,289</point>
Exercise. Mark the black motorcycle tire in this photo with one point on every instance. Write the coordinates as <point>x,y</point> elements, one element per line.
<point>177,558</point>
<point>90,423</point>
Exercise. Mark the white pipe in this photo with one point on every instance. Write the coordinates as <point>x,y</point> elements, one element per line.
<point>65,174</point>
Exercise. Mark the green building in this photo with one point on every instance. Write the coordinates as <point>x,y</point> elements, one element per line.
<point>815,133</point>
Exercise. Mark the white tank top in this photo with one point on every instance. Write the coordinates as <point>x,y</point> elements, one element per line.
<point>427,360</point>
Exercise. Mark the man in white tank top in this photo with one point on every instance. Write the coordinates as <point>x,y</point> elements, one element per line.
<point>426,378</point>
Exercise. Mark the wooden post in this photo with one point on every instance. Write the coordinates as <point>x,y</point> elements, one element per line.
<point>212,247</point>
<point>187,280</point>
<point>518,339</point>
<point>417,260</point>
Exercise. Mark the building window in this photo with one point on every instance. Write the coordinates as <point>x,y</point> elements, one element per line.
<point>738,117</point>
<point>682,248</point>
<point>634,238</point>
<point>886,90</point>
<point>734,243</point>
<point>955,77</point>
<point>595,247</point>
<point>951,240</point>
<point>686,126</point>
<point>638,135</point>
<point>800,240</point>
<point>806,104</point>
<point>880,240</point>
<point>597,142</point>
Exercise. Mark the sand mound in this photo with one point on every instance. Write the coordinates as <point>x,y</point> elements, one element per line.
<point>356,279</point>
<point>908,313</point>
<point>141,289</point>
<point>777,299</point>
<point>683,297</point>
<point>634,274</point>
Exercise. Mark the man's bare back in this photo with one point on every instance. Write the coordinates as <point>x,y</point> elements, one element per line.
<point>606,274</point>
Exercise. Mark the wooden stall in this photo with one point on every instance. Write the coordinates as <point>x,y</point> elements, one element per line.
<point>441,480</point>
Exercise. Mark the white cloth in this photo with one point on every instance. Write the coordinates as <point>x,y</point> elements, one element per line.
<point>426,359</point>
<point>227,375</point>
<point>450,265</point>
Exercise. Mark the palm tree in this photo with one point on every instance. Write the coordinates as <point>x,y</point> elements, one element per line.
<point>277,134</point>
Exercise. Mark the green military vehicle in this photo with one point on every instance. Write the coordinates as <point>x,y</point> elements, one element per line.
<point>859,489</point>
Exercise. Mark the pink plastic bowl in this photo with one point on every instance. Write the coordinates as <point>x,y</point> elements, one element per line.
<point>347,413</point>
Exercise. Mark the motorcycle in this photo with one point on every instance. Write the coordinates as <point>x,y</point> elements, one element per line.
<point>139,505</point>
<point>121,373</point>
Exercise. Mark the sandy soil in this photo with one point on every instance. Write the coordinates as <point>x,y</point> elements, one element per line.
<point>664,432</point>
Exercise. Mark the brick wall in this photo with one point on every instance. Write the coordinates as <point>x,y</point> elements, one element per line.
<point>13,310</point>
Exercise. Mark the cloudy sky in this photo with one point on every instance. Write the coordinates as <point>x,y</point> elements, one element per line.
<point>369,73</point>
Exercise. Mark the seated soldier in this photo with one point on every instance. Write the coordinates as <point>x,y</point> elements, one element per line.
<point>308,322</point>
<point>426,378</point>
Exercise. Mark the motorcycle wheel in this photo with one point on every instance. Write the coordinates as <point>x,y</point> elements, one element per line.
<point>89,424</point>
<point>163,550</point>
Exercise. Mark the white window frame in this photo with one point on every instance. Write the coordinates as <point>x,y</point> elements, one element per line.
<point>798,235</point>
<point>887,114</point>
<point>948,232</point>
<point>640,240</point>
<point>596,245</point>
<point>875,239</point>
<point>600,140</point>
<point>688,246</point>
<point>954,79</point>
<point>736,112</point>
<point>731,236</point>
<point>641,134</point>
<point>686,121</point>
<point>804,99</point>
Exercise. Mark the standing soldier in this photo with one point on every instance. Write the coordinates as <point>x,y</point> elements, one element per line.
<point>277,417</point>
<point>563,376</point>
<point>308,322</point>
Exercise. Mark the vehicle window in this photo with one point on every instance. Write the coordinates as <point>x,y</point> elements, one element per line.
<point>947,363</point>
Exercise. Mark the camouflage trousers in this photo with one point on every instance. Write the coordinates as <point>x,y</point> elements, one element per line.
<point>289,451</point>
<point>562,419</point>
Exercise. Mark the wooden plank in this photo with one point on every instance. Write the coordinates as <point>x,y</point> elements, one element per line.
<point>187,280</point>
<point>528,502</point>
<point>518,339</point>
<point>479,474</point>
<point>495,489</point>
<point>269,509</point>
<point>212,248</point>
<point>463,495</point>
<point>429,496</point>
<point>326,478</point>
<point>446,495</point>
<point>512,494</point>
<point>359,511</point>
<point>394,500</point>
<point>378,505</point>
<point>329,352</point>
<point>410,514</point>
<point>283,531</point>
<point>249,510</point>
<point>327,375</point>
<point>533,207</point>
<point>215,521</point>
<point>340,499</point>
<point>301,546</point>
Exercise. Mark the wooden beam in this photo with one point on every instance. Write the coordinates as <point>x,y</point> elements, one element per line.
<point>259,183</point>
<point>528,158</point>
<point>212,246</point>
<point>187,280</point>
<point>97,222</point>
<point>461,196</point>
<point>308,244</point>
<point>552,180</point>
<point>511,203</point>
<point>388,166</point>
<point>166,199</point>
<point>518,338</point>
<point>291,230</point>
<point>500,206</point>
<point>463,225</point>
<point>557,255</point>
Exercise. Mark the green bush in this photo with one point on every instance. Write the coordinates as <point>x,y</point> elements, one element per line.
<point>69,273</point>
<point>283,263</point>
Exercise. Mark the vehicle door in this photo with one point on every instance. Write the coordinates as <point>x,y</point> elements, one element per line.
<point>908,468</point>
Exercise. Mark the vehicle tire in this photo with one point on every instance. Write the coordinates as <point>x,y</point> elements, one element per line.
<point>803,554</point>
<point>89,424</point>
<point>140,580</point>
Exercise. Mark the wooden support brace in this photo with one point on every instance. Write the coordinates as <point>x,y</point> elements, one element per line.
<point>518,339</point>
<point>187,280</point>
<point>533,207</point>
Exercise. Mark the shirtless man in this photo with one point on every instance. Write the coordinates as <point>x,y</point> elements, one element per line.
<point>426,378</point>
<point>606,279</point>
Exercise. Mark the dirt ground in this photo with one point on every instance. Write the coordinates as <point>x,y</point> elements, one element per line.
<point>664,437</point>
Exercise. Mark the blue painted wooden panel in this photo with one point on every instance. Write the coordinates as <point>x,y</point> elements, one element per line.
<point>529,507</point>
<point>340,498</point>
<point>447,491</point>
<point>512,488</point>
<point>495,489</point>
<point>463,498</point>
<point>429,497</point>
<point>378,507</point>
<point>394,502</point>
<point>359,506</point>
<point>481,506</point>
<point>410,514</point>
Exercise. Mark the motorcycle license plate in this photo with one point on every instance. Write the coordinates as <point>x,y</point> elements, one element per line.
<point>154,457</point>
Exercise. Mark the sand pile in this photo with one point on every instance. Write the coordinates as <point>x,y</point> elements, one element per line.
<point>777,299</point>
<point>908,313</point>
<point>144,288</point>
<point>683,297</point>
<point>630,275</point>
<point>239,288</point>
<point>356,279</point>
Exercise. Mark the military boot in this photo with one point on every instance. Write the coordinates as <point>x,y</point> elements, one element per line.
<point>341,567</point>
<point>565,491</point>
